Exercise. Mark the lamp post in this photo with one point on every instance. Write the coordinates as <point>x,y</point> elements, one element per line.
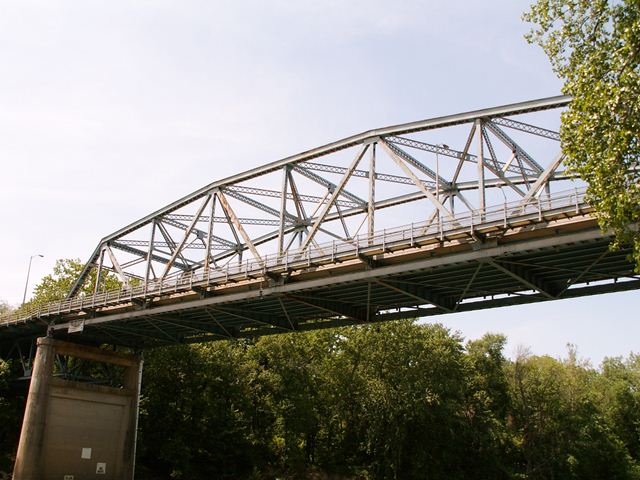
<point>26,285</point>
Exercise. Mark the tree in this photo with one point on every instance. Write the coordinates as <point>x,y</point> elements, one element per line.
<point>289,379</point>
<point>193,413</point>
<point>620,390</point>
<point>594,46</point>
<point>408,383</point>
<point>5,308</point>
<point>488,405</point>
<point>57,285</point>
<point>12,398</point>
<point>558,424</point>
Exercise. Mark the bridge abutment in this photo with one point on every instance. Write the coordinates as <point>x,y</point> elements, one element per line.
<point>76,430</point>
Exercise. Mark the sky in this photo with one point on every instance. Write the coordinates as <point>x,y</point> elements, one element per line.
<point>110,110</point>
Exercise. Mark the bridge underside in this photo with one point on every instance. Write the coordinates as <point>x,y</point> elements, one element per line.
<point>562,258</point>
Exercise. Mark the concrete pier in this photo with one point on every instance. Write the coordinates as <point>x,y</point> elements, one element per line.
<point>75,430</point>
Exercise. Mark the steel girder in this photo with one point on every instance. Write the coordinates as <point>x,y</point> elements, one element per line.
<point>564,256</point>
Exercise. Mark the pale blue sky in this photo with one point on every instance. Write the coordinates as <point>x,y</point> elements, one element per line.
<point>112,109</point>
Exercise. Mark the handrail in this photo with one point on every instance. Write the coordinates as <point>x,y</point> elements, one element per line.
<point>329,251</point>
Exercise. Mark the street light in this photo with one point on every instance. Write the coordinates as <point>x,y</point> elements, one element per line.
<point>26,285</point>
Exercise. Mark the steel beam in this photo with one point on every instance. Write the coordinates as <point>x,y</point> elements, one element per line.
<point>525,277</point>
<point>482,254</point>
<point>372,193</point>
<point>419,293</point>
<point>238,226</point>
<point>525,127</point>
<point>332,307</point>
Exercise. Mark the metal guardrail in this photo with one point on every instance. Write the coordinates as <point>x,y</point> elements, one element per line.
<point>406,236</point>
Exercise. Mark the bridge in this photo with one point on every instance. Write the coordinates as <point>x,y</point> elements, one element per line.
<point>391,223</point>
<point>451,214</point>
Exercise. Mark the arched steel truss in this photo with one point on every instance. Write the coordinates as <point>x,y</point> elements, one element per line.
<point>428,171</point>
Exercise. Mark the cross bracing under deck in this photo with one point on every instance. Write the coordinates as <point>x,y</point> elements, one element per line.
<point>451,214</point>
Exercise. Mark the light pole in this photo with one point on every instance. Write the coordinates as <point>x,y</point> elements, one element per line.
<point>26,285</point>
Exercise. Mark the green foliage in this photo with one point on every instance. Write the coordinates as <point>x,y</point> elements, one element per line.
<point>392,401</point>
<point>57,285</point>
<point>620,398</point>
<point>594,46</point>
<point>388,401</point>
<point>193,415</point>
<point>11,404</point>
<point>558,424</point>
<point>5,308</point>
<point>488,405</point>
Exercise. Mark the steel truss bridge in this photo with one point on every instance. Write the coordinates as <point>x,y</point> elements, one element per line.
<point>451,214</point>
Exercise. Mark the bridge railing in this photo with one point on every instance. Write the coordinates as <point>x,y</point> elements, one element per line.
<point>435,229</point>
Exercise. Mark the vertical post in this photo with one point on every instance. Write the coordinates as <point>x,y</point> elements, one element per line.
<point>471,224</point>
<point>149,255</point>
<point>99,275</point>
<point>283,208</point>
<point>539,210</point>
<point>437,177</point>
<point>29,456</point>
<point>372,194</point>
<point>504,214</point>
<point>547,191</point>
<point>212,214</point>
<point>481,191</point>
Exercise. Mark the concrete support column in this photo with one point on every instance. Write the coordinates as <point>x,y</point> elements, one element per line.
<point>29,456</point>
<point>78,430</point>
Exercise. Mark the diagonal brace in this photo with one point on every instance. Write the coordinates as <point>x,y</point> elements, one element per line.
<point>419,293</point>
<point>416,180</point>
<point>236,223</point>
<point>527,278</point>
<point>334,307</point>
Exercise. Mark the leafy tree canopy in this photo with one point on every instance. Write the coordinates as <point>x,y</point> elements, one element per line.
<point>594,46</point>
<point>5,307</point>
<point>57,285</point>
